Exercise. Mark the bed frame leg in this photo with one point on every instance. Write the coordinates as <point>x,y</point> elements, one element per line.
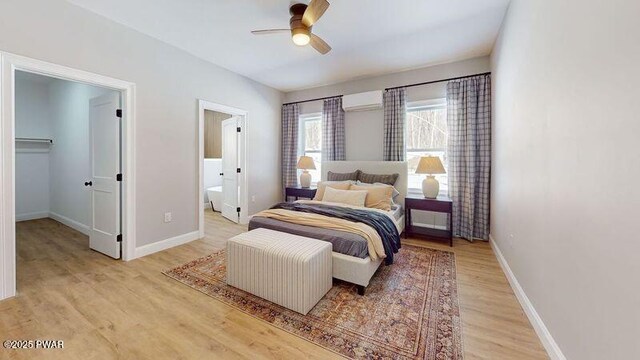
<point>360,290</point>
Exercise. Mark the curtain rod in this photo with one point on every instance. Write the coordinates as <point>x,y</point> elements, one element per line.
<point>316,99</point>
<point>437,81</point>
<point>395,87</point>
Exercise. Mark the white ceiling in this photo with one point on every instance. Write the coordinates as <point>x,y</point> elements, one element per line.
<point>369,37</point>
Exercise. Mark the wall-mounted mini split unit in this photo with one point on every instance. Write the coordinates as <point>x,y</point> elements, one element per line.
<point>365,101</point>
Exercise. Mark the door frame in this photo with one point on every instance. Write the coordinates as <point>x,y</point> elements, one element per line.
<point>9,64</point>
<point>242,158</point>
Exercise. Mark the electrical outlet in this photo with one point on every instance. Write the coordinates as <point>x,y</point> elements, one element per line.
<point>253,198</point>
<point>167,217</point>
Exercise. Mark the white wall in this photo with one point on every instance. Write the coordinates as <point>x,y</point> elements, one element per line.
<point>32,185</point>
<point>69,158</point>
<point>32,159</point>
<point>364,130</point>
<point>168,83</point>
<point>566,162</point>
<point>32,106</point>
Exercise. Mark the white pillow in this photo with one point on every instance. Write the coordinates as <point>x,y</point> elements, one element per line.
<point>349,197</point>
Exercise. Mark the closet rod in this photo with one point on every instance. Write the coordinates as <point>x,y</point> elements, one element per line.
<point>316,99</point>
<point>50,141</point>
<point>395,87</point>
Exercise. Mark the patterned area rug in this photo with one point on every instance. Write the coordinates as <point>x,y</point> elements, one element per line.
<point>410,310</point>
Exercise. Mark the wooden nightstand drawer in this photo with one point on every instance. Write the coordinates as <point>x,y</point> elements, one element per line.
<point>429,204</point>
<point>299,192</point>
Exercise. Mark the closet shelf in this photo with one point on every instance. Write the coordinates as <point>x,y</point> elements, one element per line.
<point>34,140</point>
<point>33,145</point>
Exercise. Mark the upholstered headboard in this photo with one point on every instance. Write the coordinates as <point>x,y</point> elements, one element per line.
<point>372,167</point>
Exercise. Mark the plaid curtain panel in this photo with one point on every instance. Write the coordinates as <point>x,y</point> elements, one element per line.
<point>469,152</point>
<point>289,156</point>
<point>395,113</point>
<point>333,144</point>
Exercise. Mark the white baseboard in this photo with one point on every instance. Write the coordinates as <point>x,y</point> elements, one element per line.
<point>553,350</point>
<point>166,244</point>
<point>32,216</point>
<point>70,223</point>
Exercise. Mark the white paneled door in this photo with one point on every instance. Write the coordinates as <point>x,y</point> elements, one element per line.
<point>230,169</point>
<point>105,166</point>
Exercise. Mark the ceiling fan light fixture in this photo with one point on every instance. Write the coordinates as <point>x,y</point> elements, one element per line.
<point>300,36</point>
<point>303,17</point>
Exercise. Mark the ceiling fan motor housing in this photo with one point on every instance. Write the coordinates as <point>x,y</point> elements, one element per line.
<point>300,33</point>
<point>296,25</point>
<point>297,9</point>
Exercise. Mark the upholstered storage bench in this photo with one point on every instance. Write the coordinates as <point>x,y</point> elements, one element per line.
<point>290,270</point>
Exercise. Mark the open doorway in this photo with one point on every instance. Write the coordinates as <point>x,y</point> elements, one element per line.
<point>43,149</point>
<point>222,162</point>
<point>67,169</point>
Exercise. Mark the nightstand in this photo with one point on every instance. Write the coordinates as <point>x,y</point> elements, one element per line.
<point>441,204</point>
<point>300,192</point>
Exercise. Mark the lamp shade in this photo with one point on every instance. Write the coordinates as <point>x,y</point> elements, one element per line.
<point>306,163</point>
<point>430,165</point>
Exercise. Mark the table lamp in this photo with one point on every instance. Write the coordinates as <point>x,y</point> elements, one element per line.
<point>305,163</point>
<point>430,165</point>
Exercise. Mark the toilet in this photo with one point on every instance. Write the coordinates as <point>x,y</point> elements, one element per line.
<point>214,194</point>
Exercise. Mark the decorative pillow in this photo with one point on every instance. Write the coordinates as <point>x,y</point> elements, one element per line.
<point>395,191</point>
<point>349,197</point>
<point>389,179</point>
<point>340,185</point>
<point>331,176</point>
<point>378,196</point>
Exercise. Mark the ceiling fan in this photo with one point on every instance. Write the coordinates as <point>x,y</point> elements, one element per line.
<point>302,19</point>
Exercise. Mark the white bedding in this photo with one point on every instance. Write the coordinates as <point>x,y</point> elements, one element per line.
<point>396,211</point>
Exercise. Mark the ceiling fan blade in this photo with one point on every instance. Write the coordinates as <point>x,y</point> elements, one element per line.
<point>270,31</point>
<point>314,11</point>
<point>317,43</point>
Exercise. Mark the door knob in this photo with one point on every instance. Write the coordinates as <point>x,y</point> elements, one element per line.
<point>88,183</point>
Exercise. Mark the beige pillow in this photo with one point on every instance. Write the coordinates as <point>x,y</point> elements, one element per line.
<point>349,197</point>
<point>395,191</point>
<point>340,185</point>
<point>378,196</point>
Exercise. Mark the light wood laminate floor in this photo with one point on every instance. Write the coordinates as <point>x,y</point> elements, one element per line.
<point>108,309</point>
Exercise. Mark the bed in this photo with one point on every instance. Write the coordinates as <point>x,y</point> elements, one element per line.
<point>352,261</point>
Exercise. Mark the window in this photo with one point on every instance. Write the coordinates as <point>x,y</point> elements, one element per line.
<point>426,136</point>
<point>311,142</point>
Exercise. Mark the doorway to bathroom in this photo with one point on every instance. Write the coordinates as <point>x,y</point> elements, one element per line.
<point>223,165</point>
